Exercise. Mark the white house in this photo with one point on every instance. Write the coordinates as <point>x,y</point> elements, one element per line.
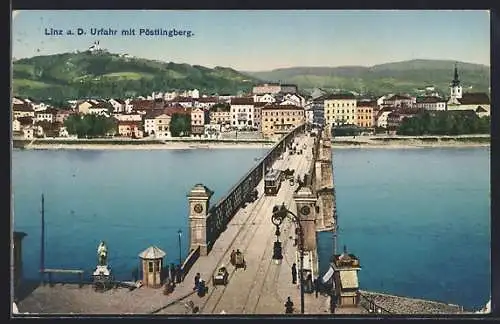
<point>380,101</point>
<point>28,133</point>
<point>118,105</point>
<point>269,98</point>
<point>98,110</point>
<point>128,117</point>
<point>309,115</point>
<point>16,126</point>
<point>128,105</point>
<point>17,101</point>
<point>149,125</point>
<point>63,132</point>
<point>213,131</point>
<point>22,110</point>
<point>206,102</point>
<point>382,118</point>
<point>168,96</point>
<point>289,102</point>
<point>242,112</point>
<point>431,103</point>
<point>297,99</point>
<point>48,115</point>
<point>225,98</point>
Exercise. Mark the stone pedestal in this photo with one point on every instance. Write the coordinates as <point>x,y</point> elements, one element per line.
<point>102,270</point>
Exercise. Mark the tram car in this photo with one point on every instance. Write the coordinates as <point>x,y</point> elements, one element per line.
<point>272,182</point>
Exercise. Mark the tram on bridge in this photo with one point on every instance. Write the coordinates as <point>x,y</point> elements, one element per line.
<point>272,182</point>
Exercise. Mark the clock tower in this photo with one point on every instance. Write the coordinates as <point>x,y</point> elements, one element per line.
<point>305,201</point>
<point>199,202</point>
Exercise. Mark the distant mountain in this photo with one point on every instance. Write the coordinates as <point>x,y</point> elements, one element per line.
<point>103,74</point>
<point>407,76</point>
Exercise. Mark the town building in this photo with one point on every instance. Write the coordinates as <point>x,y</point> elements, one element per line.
<point>340,109</point>
<point>22,110</point>
<point>273,88</point>
<point>157,123</point>
<point>220,117</point>
<point>46,115</point>
<point>199,117</point>
<point>119,105</point>
<point>479,102</point>
<point>242,113</point>
<point>206,102</point>
<point>267,98</point>
<point>62,115</point>
<point>399,101</point>
<point>431,103</point>
<point>364,113</point>
<point>130,129</point>
<point>278,119</point>
<point>382,117</point>
<point>317,106</point>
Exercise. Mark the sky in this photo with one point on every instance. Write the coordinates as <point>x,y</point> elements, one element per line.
<point>260,40</point>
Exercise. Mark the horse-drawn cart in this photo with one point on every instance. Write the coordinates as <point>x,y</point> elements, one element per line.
<point>239,260</point>
<point>221,277</point>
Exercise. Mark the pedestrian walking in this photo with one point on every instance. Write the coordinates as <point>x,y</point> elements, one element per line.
<point>316,287</point>
<point>172,272</point>
<point>333,304</point>
<point>178,274</point>
<point>289,306</point>
<point>294,273</point>
<point>196,281</point>
<point>233,257</point>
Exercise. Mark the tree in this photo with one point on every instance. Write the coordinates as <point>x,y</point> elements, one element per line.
<point>180,125</point>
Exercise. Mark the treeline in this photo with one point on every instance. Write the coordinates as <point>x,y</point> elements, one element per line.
<point>445,123</point>
<point>90,125</point>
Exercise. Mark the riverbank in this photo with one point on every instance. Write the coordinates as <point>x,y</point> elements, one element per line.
<point>385,142</point>
<point>405,142</point>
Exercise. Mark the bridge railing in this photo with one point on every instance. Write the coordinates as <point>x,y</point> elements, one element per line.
<point>369,304</point>
<point>220,214</point>
<point>190,260</point>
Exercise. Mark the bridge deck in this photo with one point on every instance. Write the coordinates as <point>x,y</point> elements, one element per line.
<point>264,286</point>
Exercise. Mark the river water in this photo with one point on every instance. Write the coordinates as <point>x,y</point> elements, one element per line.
<point>418,219</point>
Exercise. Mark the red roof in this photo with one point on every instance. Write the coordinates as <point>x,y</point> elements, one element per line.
<point>22,107</point>
<point>178,110</point>
<point>208,100</point>
<point>142,104</point>
<point>242,101</point>
<point>367,103</point>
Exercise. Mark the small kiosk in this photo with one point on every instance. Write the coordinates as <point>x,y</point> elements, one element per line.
<point>346,285</point>
<point>152,263</point>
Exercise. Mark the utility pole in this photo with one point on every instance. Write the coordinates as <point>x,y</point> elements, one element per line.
<point>42,243</point>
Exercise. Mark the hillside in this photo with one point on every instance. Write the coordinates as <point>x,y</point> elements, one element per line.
<point>407,76</point>
<point>79,75</point>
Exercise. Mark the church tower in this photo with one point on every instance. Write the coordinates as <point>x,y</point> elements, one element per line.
<point>456,88</point>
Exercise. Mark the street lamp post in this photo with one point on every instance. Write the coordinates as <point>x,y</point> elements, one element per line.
<point>279,215</point>
<point>179,232</point>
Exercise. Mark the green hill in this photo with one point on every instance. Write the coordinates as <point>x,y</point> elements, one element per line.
<point>85,74</point>
<point>407,76</point>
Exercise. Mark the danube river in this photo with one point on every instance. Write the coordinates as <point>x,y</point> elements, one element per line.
<point>419,219</point>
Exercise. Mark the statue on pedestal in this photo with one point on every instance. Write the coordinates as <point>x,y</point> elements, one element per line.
<point>102,254</point>
<point>102,274</point>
